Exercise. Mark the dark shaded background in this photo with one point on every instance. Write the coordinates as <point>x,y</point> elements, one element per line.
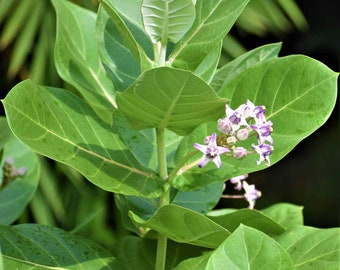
<point>310,174</point>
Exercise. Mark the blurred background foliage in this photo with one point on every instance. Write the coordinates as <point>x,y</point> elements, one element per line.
<point>66,200</point>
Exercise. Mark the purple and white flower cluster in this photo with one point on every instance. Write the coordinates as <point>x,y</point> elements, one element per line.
<point>236,126</point>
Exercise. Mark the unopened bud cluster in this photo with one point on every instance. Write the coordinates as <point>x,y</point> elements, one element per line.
<point>236,126</point>
<point>10,172</point>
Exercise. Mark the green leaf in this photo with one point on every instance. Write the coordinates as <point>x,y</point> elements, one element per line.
<point>59,125</point>
<point>32,246</point>
<point>311,248</point>
<point>130,12</point>
<point>201,200</point>
<point>197,263</point>
<point>243,62</point>
<point>213,21</point>
<point>248,248</point>
<point>128,37</point>
<point>119,62</point>
<point>248,217</point>
<point>169,98</point>
<point>184,226</point>
<point>299,94</point>
<point>167,19</point>
<point>285,214</point>
<point>15,196</point>
<point>77,59</point>
<point>207,68</point>
<point>143,144</point>
<point>5,134</point>
<point>143,207</point>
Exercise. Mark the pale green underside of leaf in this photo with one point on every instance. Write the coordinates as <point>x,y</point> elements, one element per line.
<point>169,98</point>
<point>167,19</point>
<point>59,125</point>
<point>77,58</point>
<point>129,12</point>
<point>184,226</point>
<point>213,21</point>
<point>32,246</point>
<point>119,62</point>
<point>312,248</point>
<point>15,196</point>
<point>299,94</point>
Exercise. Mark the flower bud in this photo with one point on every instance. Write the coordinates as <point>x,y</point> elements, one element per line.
<point>231,140</point>
<point>239,152</point>
<point>224,125</point>
<point>242,134</point>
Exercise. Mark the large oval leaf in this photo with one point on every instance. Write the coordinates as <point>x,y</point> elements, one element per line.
<point>248,248</point>
<point>32,246</point>
<point>248,217</point>
<point>169,98</point>
<point>299,94</point>
<point>184,226</point>
<point>167,19</point>
<point>312,248</point>
<point>77,59</point>
<point>15,196</point>
<point>58,124</point>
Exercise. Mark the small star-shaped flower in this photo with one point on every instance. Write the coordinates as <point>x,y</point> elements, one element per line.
<point>211,152</point>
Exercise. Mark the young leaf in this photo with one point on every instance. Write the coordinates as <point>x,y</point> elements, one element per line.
<point>248,248</point>
<point>136,50</point>
<point>299,94</point>
<point>311,248</point>
<point>243,62</point>
<point>248,217</point>
<point>169,98</point>
<point>285,214</point>
<point>119,62</point>
<point>58,124</point>
<point>130,12</point>
<point>15,196</point>
<point>33,246</point>
<point>213,21</point>
<point>77,59</point>
<point>184,226</point>
<point>167,19</point>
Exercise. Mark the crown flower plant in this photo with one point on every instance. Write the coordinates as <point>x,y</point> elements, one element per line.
<point>158,124</point>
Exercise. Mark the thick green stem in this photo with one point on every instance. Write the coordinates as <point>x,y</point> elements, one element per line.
<point>164,199</point>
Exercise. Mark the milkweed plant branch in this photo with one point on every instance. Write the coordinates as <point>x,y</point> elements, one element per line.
<point>180,129</point>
